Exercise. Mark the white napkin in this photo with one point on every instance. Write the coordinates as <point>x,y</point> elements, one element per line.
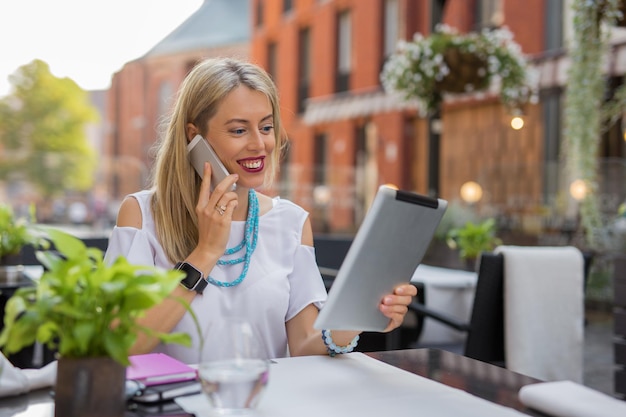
<point>569,399</point>
<point>16,381</point>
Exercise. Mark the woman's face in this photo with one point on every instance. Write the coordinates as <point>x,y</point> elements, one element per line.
<point>242,134</point>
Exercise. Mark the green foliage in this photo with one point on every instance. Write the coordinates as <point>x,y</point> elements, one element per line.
<point>42,131</point>
<point>584,108</point>
<point>84,307</point>
<point>456,215</point>
<point>474,238</point>
<point>15,233</point>
<point>448,62</point>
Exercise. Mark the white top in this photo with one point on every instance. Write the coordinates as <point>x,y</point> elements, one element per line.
<point>283,278</point>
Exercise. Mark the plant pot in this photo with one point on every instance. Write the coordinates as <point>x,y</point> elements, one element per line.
<point>466,69</point>
<point>89,387</point>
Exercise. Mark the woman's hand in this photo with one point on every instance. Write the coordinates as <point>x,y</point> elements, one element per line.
<point>215,213</point>
<point>395,305</point>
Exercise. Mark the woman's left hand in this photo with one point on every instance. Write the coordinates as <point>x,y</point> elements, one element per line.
<point>395,305</point>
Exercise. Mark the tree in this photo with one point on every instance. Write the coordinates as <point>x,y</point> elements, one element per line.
<point>42,132</point>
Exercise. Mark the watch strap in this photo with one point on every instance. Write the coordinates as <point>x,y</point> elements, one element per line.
<point>194,279</point>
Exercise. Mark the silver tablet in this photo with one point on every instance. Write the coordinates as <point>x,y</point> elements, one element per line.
<point>386,250</point>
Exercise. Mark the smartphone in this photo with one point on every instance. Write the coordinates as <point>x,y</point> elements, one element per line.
<point>199,151</point>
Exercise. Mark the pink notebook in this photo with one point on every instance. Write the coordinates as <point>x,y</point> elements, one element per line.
<point>158,368</point>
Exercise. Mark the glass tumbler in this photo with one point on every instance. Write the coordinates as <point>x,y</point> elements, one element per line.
<point>235,374</point>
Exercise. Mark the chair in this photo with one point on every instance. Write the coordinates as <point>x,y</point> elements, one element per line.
<point>485,331</point>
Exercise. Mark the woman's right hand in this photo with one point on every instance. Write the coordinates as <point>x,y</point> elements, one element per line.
<point>215,214</point>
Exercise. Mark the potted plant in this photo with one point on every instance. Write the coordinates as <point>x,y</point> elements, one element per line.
<point>87,310</point>
<point>447,62</point>
<point>472,239</point>
<point>15,233</point>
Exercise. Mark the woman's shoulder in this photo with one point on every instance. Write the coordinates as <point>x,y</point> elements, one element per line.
<point>143,199</point>
<point>142,196</point>
<point>286,212</point>
<point>284,205</point>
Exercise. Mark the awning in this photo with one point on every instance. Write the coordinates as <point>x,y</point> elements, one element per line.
<point>352,105</point>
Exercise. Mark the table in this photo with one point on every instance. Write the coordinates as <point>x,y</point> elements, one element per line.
<point>483,380</point>
<point>486,381</point>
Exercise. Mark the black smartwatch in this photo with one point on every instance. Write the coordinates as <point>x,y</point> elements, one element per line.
<point>194,281</point>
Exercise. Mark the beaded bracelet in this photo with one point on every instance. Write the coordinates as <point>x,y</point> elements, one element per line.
<point>333,349</point>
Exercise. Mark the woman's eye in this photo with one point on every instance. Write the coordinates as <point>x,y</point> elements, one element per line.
<point>239,131</point>
<point>267,129</point>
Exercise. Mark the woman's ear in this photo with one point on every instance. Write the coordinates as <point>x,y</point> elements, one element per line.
<point>191,131</point>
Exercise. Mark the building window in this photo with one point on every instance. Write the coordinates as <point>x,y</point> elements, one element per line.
<point>436,13</point>
<point>259,13</point>
<point>304,67</point>
<point>390,27</point>
<point>287,6</point>
<point>166,96</point>
<point>272,61</point>
<point>489,14</point>
<point>319,158</point>
<point>344,51</point>
<point>360,166</point>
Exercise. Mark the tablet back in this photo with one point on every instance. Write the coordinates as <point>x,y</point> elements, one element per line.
<point>386,250</point>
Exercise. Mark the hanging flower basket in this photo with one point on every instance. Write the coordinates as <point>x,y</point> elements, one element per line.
<point>446,62</point>
<point>468,71</point>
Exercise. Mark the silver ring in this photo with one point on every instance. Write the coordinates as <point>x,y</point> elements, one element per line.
<point>220,209</point>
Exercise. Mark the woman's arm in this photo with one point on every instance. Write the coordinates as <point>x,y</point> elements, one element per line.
<point>305,340</point>
<point>165,316</point>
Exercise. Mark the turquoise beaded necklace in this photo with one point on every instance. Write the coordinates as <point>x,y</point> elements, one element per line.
<point>248,243</point>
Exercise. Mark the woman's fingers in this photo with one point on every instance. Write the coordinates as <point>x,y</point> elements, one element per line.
<point>406,289</point>
<point>205,187</point>
<point>395,313</point>
<point>395,306</point>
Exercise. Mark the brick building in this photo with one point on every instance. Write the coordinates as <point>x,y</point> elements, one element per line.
<point>346,135</point>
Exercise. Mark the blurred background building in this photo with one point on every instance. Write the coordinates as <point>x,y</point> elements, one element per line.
<point>347,136</point>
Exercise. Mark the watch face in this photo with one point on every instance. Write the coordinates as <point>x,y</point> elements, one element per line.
<point>193,275</point>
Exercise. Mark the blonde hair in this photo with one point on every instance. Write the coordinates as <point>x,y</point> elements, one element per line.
<point>175,181</point>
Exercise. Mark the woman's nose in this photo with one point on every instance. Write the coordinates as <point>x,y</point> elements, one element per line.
<point>256,140</point>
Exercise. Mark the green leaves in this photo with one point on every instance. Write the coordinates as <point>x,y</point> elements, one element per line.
<point>474,238</point>
<point>84,307</point>
<point>15,232</point>
<point>42,131</point>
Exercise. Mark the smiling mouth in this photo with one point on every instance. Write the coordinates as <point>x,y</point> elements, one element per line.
<point>252,165</point>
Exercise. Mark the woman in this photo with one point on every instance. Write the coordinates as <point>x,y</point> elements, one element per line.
<point>255,251</point>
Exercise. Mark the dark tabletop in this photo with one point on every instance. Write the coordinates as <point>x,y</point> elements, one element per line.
<point>481,379</point>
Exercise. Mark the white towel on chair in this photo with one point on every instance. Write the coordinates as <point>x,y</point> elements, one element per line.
<point>544,311</point>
